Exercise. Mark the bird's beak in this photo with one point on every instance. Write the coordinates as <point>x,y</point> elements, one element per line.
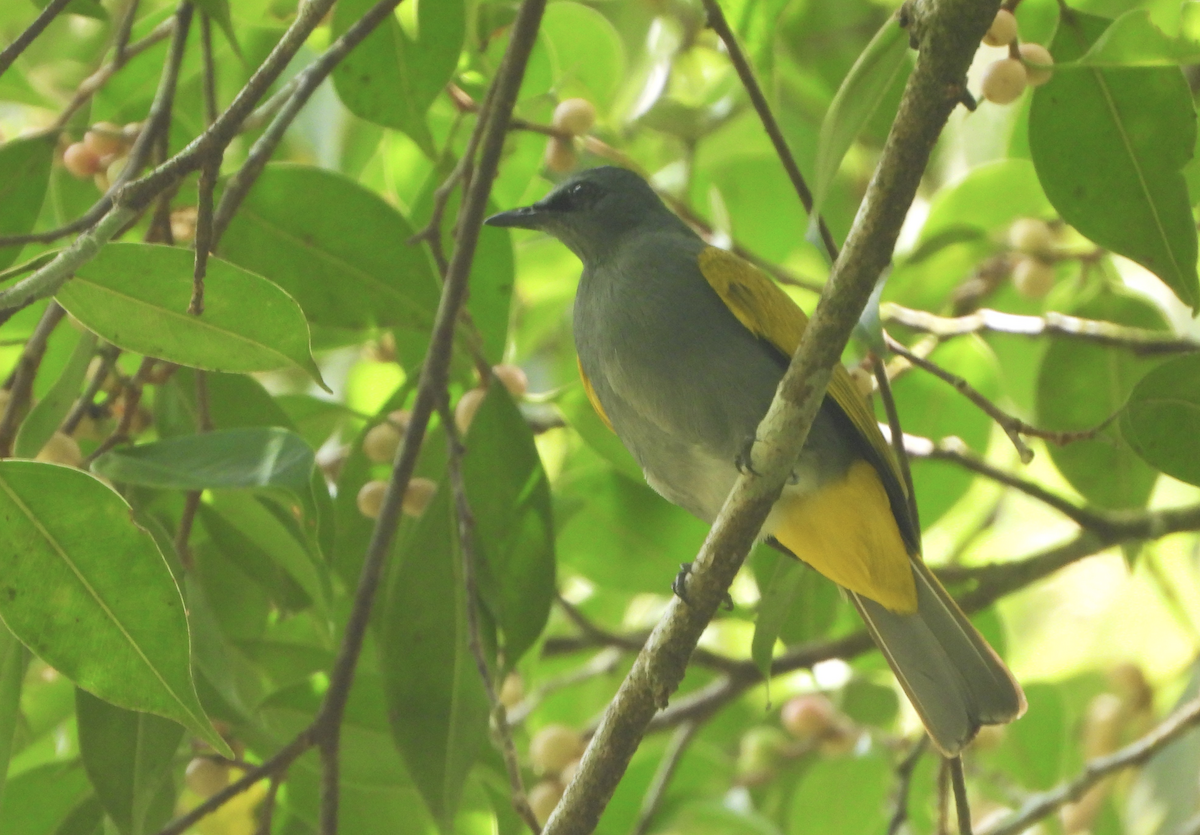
<point>527,217</point>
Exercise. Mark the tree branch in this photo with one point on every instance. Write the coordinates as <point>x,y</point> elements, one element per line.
<point>14,49</point>
<point>948,33</point>
<point>1040,805</point>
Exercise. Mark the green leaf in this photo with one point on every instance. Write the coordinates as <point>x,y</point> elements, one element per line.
<point>864,88</point>
<point>1035,749</point>
<point>127,756</point>
<point>218,10</point>
<point>41,799</point>
<point>1107,138</point>
<point>586,53</point>
<point>435,699</point>
<point>1161,420</point>
<point>136,296</point>
<point>1134,41</point>
<point>1081,385</point>
<point>780,595</point>
<point>392,78</point>
<point>90,593</point>
<point>14,659</point>
<point>345,258</point>
<point>47,415</point>
<point>223,459</point>
<point>24,174</point>
<point>509,497</point>
<point>843,796</point>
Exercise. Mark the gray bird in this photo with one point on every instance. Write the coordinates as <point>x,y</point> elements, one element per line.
<point>681,346</point>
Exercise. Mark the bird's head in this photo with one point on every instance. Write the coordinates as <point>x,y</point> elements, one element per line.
<point>592,211</point>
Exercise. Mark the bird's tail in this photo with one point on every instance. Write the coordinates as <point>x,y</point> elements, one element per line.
<point>953,678</point>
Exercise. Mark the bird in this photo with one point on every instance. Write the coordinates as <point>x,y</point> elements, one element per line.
<point>680,348</point>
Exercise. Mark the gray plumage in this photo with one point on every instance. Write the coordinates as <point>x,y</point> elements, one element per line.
<point>685,385</point>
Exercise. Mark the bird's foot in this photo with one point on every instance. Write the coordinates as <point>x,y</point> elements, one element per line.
<point>679,587</point>
<point>745,459</point>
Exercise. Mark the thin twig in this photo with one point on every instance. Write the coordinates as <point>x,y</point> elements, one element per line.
<point>904,775</point>
<point>136,195</point>
<point>948,34</point>
<point>204,230</point>
<point>131,400</point>
<point>23,40</point>
<point>954,450</point>
<point>430,391</point>
<point>276,765</point>
<point>718,23</point>
<point>466,542</point>
<point>191,503</point>
<point>305,84</point>
<point>959,784</point>
<point>1013,426</point>
<point>210,70</point>
<point>108,357</point>
<point>1138,340</point>
<point>657,791</point>
<point>124,33</point>
<point>21,392</point>
<point>266,812</point>
<point>1040,805</point>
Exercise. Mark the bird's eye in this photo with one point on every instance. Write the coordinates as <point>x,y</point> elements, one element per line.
<point>574,197</point>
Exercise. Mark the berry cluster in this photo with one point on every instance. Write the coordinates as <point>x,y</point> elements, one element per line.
<point>1027,64</point>
<point>382,441</point>
<point>102,153</point>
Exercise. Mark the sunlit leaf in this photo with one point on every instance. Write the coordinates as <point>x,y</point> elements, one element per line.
<point>344,258</point>
<point>89,592</point>
<point>391,78</point>
<point>48,413</point>
<point>136,296</point>
<point>1108,138</point>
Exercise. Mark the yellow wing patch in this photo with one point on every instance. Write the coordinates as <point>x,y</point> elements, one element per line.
<point>591,396</point>
<point>769,313</point>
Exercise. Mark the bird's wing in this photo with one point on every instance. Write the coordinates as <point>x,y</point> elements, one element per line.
<point>590,391</point>
<point>769,313</point>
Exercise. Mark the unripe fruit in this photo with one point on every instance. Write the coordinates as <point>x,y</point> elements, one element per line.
<point>1004,81</point>
<point>205,777</point>
<point>512,690</point>
<point>560,156</point>
<point>417,496</point>
<point>1033,277</point>
<point>381,443</point>
<point>555,747</point>
<point>513,377</point>
<point>544,797</point>
<point>1035,53</point>
<point>80,160</point>
<point>1003,30</point>
<point>808,717</point>
<point>105,139</point>
<point>113,172</point>
<point>467,406</point>
<point>574,116</point>
<point>370,498</point>
<point>61,449</point>
<point>1031,236</point>
<point>183,224</point>
<point>568,773</point>
<point>131,132</point>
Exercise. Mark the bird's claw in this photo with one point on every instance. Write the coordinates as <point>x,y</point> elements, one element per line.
<point>679,587</point>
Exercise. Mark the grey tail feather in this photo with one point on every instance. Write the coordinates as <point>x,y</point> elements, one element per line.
<point>953,678</point>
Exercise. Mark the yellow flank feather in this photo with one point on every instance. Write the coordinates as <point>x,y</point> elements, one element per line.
<point>769,313</point>
<point>847,532</point>
<point>591,396</point>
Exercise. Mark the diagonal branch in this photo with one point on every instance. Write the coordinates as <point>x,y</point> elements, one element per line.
<point>948,33</point>
<point>14,49</point>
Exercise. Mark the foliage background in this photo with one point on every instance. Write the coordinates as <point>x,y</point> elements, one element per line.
<point>1105,645</point>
